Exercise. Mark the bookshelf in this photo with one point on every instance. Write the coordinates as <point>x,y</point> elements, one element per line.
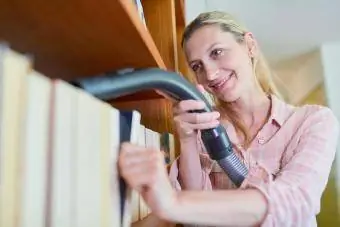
<point>79,38</point>
<point>70,39</point>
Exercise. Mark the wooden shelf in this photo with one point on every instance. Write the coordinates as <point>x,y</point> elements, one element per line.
<point>183,67</point>
<point>180,12</point>
<point>70,39</point>
<point>160,18</point>
<point>78,38</point>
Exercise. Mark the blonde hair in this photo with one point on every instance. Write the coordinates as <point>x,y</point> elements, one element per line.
<point>261,70</point>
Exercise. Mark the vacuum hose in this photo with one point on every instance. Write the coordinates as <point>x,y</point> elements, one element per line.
<point>216,141</point>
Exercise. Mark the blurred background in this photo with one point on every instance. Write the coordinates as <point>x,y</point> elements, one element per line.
<point>301,41</point>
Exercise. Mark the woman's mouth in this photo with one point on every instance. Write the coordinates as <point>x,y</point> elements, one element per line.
<point>222,83</point>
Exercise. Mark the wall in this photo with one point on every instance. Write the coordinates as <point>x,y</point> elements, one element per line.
<point>330,53</point>
<point>299,76</point>
<point>317,96</point>
<point>193,8</point>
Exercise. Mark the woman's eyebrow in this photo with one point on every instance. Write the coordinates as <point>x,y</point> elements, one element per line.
<point>212,46</point>
<point>208,49</point>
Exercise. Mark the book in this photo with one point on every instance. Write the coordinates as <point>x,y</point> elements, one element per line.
<point>168,147</point>
<point>14,67</point>
<point>34,151</point>
<point>59,150</point>
<point>129,132</point>
<point>135,196</point>
<point>114,214</point>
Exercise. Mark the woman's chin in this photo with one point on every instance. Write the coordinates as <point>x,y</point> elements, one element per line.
<point>227,92</point>
<point>228,97</point>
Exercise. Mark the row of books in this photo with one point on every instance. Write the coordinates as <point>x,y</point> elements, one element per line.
<point>59,147</point>
<point>163,142</point>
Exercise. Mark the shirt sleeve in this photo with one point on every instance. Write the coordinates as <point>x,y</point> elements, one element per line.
<point>206,167</point>
<point>293,197</point>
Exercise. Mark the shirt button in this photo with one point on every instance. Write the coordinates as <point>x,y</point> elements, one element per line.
<point>261,140</point>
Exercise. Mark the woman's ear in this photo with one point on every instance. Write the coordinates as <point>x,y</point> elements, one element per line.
<point>250,44</point>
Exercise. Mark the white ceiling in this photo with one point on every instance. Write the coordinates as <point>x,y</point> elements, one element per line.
<point>284,29</point>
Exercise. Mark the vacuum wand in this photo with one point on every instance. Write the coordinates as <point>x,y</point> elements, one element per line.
<point>216,141</point>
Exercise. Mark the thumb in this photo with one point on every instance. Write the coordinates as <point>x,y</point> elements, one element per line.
<point>200,87</point>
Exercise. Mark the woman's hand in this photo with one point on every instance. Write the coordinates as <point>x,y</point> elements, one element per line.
<point>144,170</point>
<point>188,123</point>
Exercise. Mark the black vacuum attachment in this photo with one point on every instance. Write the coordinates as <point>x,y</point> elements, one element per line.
<point>121,83</point>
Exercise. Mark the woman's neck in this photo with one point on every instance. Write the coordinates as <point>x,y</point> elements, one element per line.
<point>253,109</point>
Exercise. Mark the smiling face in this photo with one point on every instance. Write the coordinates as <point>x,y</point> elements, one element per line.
<point>222,62</point>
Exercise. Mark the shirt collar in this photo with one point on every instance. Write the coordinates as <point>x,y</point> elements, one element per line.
<point>280,111</point>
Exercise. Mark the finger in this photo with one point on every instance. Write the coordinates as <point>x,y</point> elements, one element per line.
<point>130,147</point>
<point>196,118</point>
<point>200,87</point>
<point>207,125</point>
<point>139,156</point>
<point>139,169</point>
<point>135,162</point>
<point>187,105</point>
<point>129,160</point>
<point>139,179</point>
<point>143,173</point>
<point>130,155</point>
<point>189,128</point>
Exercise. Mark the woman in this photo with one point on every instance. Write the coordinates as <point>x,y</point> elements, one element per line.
<point>288,150</point>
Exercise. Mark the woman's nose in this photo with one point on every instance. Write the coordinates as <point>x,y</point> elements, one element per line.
<point>211,72</point>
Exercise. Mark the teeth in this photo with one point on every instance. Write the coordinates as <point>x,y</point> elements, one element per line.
<point>219,84</point>
<point>222,82</point>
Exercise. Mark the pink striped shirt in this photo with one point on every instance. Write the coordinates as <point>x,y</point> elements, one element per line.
<point>289,161</point>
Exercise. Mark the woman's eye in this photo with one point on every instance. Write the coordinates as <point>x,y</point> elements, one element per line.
<point>195,67</point>
<point>216,52</point>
